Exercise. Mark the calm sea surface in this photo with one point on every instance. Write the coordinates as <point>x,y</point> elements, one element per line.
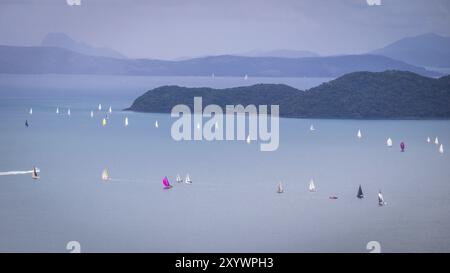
<point>232,205</point>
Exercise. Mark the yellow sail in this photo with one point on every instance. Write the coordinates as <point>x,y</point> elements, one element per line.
<point>104,122</point>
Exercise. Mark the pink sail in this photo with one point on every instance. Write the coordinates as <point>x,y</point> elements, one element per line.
<point>166,182</point>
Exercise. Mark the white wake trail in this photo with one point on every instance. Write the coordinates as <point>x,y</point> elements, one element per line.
<point>18,172</point>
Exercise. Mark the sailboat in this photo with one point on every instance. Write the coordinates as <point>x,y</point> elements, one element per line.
<point>280,188</point>
<point>212,75</point>
<point>389,142</point>
<point>110,110</point>
<point>68,112</point>
<point>34,174</point>
<point>245,77</point>
<point>311,187</point>
<point>360,194</point>
<point>441,149</point>
<point>57,110</point>
<point>436,141</point>
<point>381,201</point>
<point>428,139</point>
<point>99,107</point>
<point>92,114</point>
<point>31,111</point>
<point>359,135</point>
<point>126,121</point>
<point>248,139</point>
<point>402,146</point>
<point>26,123</point>
<point>188,179</point>
<point>311,128</point>
<point>156,124</point>
<point>166,183</point>
<point>104,122</point>
<point>178,179</point>
<point>105,175</point>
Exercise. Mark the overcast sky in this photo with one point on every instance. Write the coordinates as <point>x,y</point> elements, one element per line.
<point>176,28</point>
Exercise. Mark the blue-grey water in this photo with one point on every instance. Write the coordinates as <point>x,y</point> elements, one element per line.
<point>232,205</point>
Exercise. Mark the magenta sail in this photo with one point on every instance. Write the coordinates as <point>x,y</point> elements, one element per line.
<point>166,183</point>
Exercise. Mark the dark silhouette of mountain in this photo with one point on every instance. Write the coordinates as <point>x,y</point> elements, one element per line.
<point>64,41</point>
<point>40,60</point>
<point>427,50</point>
<point>282,53</point>
<point>359,95</point>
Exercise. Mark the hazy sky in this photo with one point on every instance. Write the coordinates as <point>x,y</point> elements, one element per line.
<point>175,28</point>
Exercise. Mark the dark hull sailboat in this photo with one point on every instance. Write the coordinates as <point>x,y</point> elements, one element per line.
<point>360,194</point>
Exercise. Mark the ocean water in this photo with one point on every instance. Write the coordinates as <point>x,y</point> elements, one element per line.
<point>232,205</point>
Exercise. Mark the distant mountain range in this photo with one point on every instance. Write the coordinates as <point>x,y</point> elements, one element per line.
<point>428,50</point>
<point>64,41</point>
<point>44,60</point>
<point>282,53</point>
<point>359,95</point>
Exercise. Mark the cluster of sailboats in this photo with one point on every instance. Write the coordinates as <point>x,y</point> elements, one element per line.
<point>359,194</point>
<point>436,142</point>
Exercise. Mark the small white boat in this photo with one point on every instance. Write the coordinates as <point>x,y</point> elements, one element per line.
<point>99,107</point>
<point>92,114</point>
<point>359,135</point>
<point>188,179</point>
<point>156,124</point>
<point>428,139</point>
<point>436,141</point>
<point>248,139</point>
<point>311,187</point>
<point>311,128</point>
<point>389,142</point>
<point>246,77</point>
<point>126,121</point>
<point>110,110</point>
<point>105,175</point>
<point>179,179</point>
<point>280,188</point>
<point>441,149</point>
<point>68,112</point>
<point>57,110</point>
<point>31,111</point>
<point>381,201</point>
<point>35,174</point>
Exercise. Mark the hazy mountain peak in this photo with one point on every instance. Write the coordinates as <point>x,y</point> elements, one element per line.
<point>62,40</point>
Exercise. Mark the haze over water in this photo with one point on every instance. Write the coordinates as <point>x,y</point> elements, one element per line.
<point>232,205</point>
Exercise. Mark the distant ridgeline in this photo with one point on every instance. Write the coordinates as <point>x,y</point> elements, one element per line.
<point>359,95</point>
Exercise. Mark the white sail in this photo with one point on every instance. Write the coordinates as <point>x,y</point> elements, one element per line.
<point>92,114</point>
<point>110,110</point>
<point>68,112</point>
<point>381,201</point>
<point>188,179</point>
<point>312,187</point>
<point>57,110</point>
<point>428,139</point>
<point>178,179</point>
<point>126,121</point>
<point>105,175</point>
<point>31,111</point>
<point>246,77</point>
<point>311,128</point>
<point>441,149</point>
<point>280,188</point>
<point>359,135</point>
<point>389,142</point>
<point>436,141</point>
<point>156,124</point>
<point>99,107</point>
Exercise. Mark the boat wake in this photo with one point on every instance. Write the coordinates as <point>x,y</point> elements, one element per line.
<point>18,172</point>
